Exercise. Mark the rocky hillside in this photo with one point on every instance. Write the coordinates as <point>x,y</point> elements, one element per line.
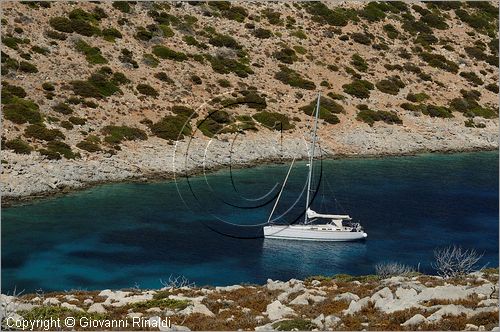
<point>100,91</point>
<point>319,303</point>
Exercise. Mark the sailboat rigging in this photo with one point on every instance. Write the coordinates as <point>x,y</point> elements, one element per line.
<point>316,226</point>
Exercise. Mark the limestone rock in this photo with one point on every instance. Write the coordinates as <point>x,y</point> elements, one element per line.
<point>277,310</point>
<point>348,296</point>
<point>98,308</point>
<point>416,320</point>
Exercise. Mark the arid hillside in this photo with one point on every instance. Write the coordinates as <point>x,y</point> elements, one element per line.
<point>101,91</point>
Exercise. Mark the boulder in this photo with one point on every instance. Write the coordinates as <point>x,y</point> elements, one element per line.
<point>303,299</point>
<point>408,294</point>
<point>449,310</point>
<point>450,292</point>
<point>331,321</point>
<point>384,293</point>
<point>346,297</point>
<point>318,321</point>
<point>416,320</point>
<point>471,327</point>
<point>228,288</point>
<point>356,306</point>
<point>197,308</point>
<point>277,310</point>
<point>97,307</point>
<point>51,301</point>
<point>71,307</point>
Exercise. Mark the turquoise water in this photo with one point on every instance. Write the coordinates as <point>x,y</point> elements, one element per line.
<point>130,234</point>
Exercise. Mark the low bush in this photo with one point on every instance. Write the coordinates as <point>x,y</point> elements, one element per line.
<point>167,53</point>
<point>9,90</point>
<point>123,6</point>
<point>12,42</point>
<point>77,120</point>
<point>286,55</point>
<point>272,16</point>
<point>224,83</point>
<point>66,125</point>
<point>147,90</point>
<point>358,88</point>
<point>361,38</point>
<point>196,79</point>
<point>358,62</point>
<point>62,108</point>
<point>437,111</point>
<point>417,97</point>
<point>493,87</point>
<point>472,77</point>
<point>39,131</point>
<point>435,21</point>
<point>426,39</point>
<point>391,31</point>
<point>22,111</point>
<point>273,120</point>
<point>292,78</point>
<point>61,24</point>
<point>89,145</point>
<point>370,117</point>
<point>55,35</point>
<point>48,86</point>
<point>119,78</point>
<point>262,33</point>
<point>150,60</point>
<point>27,67</point>
<point>390,85</point>
<point>172,127</point>
<point>117,134</point>
<point>162,76</point>
<point>51,155</point>
<point>439,61</point>
<point>327,111</point>
<point>299,34</point>
<point>92,54</point>
<point>85,89</point>
<point>250,98</point>
<point>220,40</point>
<point>183,111</point>
<point>18,146</point>
<point>110,34</point>
<point>61,148</point>
<point>322,14</point>
<point>225,65</point>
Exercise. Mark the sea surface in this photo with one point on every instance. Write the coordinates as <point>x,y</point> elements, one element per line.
<point>208,229</point>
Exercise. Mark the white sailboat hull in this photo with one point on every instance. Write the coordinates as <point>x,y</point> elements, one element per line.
<point>311,233</point>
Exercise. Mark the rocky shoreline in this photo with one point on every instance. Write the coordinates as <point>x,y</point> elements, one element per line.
<point>342,302</point>
<point>28,177</point>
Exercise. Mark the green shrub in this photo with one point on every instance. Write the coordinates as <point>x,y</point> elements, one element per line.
<point>89,145</point>
<point>426,39</point>
<point>225,65</point>
<point>62,24</point>
<point>286,55</point>
<point>39,131</point>
<point>123,6</point>
<point>56,35</point>
<point>235,13</point>
<point>336,96</point>
<point>273,120</point>
<point>119,78</point>
<point>117,134</point>
<point>162,76</point>
<point>299,34</point>
<point>150,60</point>
<point>143,34</point>
<point>358,88</point>
<point>327,111</point>
<point>172,127</point>
<point>297,324</point>
<point>62,149</point>
<point>85,89</point>
<point>262,33</point>
<point>358,62</point>
<point>439,61</point>
<point>250,98</point>
<point>300,49</point>
<point>84,28</point>
<point>18,146</point>
<point>437,111</point>
<point>77,120</point>
<point>471,124</point>
<point>164,303</point>
<point>435,21</point>
<point>62,108</point>
<point>191,40</point>
<point>469,106</point>
<point>361,38</point>
<point>417,97</point>
<point>184,111</point>
<point>167,53</point>
<point>372,12</point>
<point>9,90</point>
<point>196,79</point>
<point>92,54</point>
<point>21,111</point>
<point>391,31</point>
<point>322,14</point>
<point>27,67</point>
<point>333,67</point>
<point>103,83</point>
<point>472,77</point>
<point>51,155</point>
<point>224,83</point>
<point>391,85</point>
<point>48,86</point>
<point>493,87</point>
<point>292,78</point>
<point>110,34</point>
<point>12,42</point>
<point>370,117</point>
<point>220,40</point>
<point>147,90</point>
<point>66,125</point>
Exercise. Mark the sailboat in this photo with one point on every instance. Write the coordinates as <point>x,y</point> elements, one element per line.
<point>316,226</point>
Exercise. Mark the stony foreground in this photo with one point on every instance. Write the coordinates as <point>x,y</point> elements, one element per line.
<point>319,303</point>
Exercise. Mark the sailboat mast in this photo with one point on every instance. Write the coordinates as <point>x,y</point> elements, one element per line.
<point>311,156</point>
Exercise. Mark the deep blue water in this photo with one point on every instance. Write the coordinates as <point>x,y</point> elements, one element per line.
<point>122,235</point>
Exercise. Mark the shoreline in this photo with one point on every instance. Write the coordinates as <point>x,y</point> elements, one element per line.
<point>153,177</point>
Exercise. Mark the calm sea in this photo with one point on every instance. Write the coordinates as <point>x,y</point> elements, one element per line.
<point>206,229</point>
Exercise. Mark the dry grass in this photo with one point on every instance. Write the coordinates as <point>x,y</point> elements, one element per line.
<point>470,302</point>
